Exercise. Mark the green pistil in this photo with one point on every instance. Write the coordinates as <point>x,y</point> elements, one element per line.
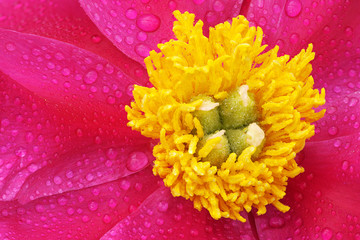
<point>237,140</point>
<point>238,111</point>
<point>209,119</point>
<point>234,121</point>
<point>221,151</point>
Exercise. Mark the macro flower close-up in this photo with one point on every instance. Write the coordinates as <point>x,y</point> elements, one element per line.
<point>196,119</point>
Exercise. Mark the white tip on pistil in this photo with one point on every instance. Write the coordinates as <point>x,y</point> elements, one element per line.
<point>243,92</point>
<point>255,135</point>
<point>207,105</point>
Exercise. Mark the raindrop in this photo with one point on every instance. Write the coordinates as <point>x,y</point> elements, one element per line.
<point>276,222</point>
<point>106,218</point>
<point>293,8</point>
<point>91,77</point>
<point>57,180</point>
<point>32,168</point>
<point>142,50</point>
<point>93,206</point>
<point>125,185</point>
<point>112,203</point>
<point>131,13</point>
<point>345,165</point>
<point>172,5</point>
<point>141,36</point>
<point>333,131</point>
<point>110,99</point>
<point>59,56</point>
<point>218,6</point>
<point>163,206</point>
<point>294,38</point>
<point>148,22</point>
<point>326,234</point>
<point>137,161</point>
<point>10,47</point>
<point>96,38</point>
<point>65,72</point>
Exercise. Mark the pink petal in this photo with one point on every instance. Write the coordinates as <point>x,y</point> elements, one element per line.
<point>83,214</point>
<point>65,122</point>
<point>136,27</point>
<point>332,26</point>
<point>291,23</point>
<point>66,75</point>
<point>163,216</point>
<point>44,151</point>
<point>324,200</point>
<point>66,21</point>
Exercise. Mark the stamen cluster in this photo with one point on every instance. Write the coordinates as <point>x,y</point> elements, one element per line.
<point>231,57</point>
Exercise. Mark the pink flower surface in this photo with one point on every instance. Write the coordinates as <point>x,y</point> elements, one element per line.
<point>70,168</point>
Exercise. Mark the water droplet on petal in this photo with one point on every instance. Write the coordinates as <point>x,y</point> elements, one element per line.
<point>293,8</point>
<point>137,161</point>
<point>142,50</point>
<point>276,222</point>
<point>91,77</point>
<point>93,206</point>
<point>131,13</point>
<point>148,22</point>
<point>218,6</point>
<point>333,131</point>
<point>10,47</point>
<point>326,234</point>
<point>106,218</point>
<point>96,38</point>
<point>163,206</point>
<point>57,180</point>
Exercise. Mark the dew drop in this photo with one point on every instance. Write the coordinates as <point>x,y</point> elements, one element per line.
<point>218,6</point>
<point>137,161</point>
<point>65,72</point>
<point>131,13</point>
<point>96,38</point>
<point>326,234</point>
<point>125,185</point>
<point>333,131</point>
<point>112,203</point>
<point>59,56</point>
<point>142,50</point>
<point>293,8</point>
<point>10,47</point>
<point>57,180</point>
<point>111,153</point>
<point>276,222</point>
<point>85,219</point>
<point>163,206</point>
<point>210,16</point>
<point>106,218</point>
<point>110,100</point>
<point>148,22</point>
<point>93,206</point>
<point>345,165</point>
<point>172,5</point>
<point>32,168</point>
<point>294,38</point>
<point>91,77</point>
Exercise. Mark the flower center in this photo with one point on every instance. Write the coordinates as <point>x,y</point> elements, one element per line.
<point>230,123</point>
<point>230,118</point>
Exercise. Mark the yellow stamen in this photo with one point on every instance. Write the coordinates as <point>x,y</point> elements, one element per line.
<point>194,65</point>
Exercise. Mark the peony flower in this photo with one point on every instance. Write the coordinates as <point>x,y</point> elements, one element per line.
<point>70,168</point>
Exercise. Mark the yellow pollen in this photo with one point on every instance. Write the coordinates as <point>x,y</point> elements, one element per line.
<point>195,73</point>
